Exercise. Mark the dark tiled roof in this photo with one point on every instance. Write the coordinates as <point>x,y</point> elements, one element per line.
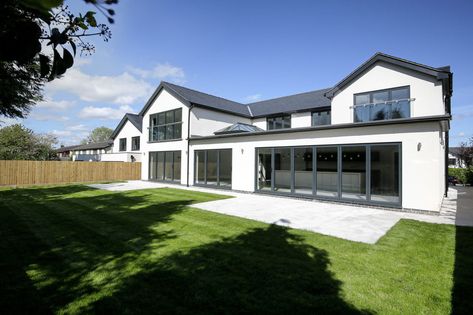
<point>136,120</point>
<point>68,148</point>
<point>237,128</point>
<point>207,100</point>
<point>92,146</point>
<point>292,103</point>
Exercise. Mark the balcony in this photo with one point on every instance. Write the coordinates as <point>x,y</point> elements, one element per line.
<point>383,111</point>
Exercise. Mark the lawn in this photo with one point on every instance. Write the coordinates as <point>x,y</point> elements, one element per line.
<point>74,249</point>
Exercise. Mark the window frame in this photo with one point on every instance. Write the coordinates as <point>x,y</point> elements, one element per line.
<point>273,123</point>
<point>166,126</point>
<point>321,110</point>
<point>371,93</point>
<point>122,143</point>
<point>135,146</point>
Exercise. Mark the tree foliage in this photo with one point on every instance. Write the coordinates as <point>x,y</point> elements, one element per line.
<point>99,134</point>
<point>20,143</point>
<point>39,40</point>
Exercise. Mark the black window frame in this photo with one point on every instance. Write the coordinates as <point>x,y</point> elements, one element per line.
<point>164,126</point>
<point>135,145</point>
<point>339,197</point>
<point>390,100</point>
<point>318,111</point>
<point>176,155</point>
<point>205,183</point>
<point>272,120</point>
<point>122,144</point>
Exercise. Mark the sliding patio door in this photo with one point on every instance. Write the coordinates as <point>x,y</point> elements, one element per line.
<point>213,168</point>
<point>165,166</point>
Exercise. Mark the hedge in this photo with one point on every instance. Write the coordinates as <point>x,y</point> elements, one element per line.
<point>464,175</point>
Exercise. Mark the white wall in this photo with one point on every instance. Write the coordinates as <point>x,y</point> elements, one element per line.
<point>301,120</point>
<point>128,131</point>
<point>260,122</point>
<point>421,180</point>
<point>205,122</point>
<point>426,90</point>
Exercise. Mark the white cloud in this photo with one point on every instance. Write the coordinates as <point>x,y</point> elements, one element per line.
<point>79,127</point>
<point>105,112</point>
<point>120,89</point>
<point>462,112</point>
<point>162,71</point>
<point>461,134</point>
<point>47,117</point>
<point>61,133</point>
<point>4,121</point>
<point>49,103</point>
<point>252,98</point>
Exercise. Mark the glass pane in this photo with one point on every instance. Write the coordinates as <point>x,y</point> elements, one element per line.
<point>178,115</point>
<point>200,167</point>
<point>264,169</point>
<point>270,123</point>
<point>161,119</point>
<point>401,109</point>
<point>212,167</point>
<point>168,166</point>
<point>278,123</point>
<point>152,165</point>
<point>303,170</point>
<point>362,113</point>
<point>177,166</point>
<point>321,118</point>
<point>161,133</point>
<point>400,94</point>
<point>169,132</point>
<point>362,99</point>
<point>385,173</point>
<point>327,172</point>
<point>154,120</point>
<point>177,131</point>
<point>287,122</point>
<point>170,117</point>
<point>225,168</point>
<point>282,170</point>
<point>354,172</point>
<point>160,166</point>
<point>380,97</point>
<point>380,111</point>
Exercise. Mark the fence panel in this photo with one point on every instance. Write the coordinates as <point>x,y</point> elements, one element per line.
<point>55,172</point>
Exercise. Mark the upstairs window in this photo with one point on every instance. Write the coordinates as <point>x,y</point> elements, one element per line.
<point>321,117</point>
<point>278,122</point>
<point>382,105</point>
<point>135,143</point>
<point>166,125</point>
<point>122,144</point>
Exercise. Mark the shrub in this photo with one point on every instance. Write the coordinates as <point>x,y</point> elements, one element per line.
<point>464,175</point>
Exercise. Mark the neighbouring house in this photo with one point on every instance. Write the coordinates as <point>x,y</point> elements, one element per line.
<point>86,152</point>
<point>454,159</point>
<point>127,139</point>
<point>379,136</point>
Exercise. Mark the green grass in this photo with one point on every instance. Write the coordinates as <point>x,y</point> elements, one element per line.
<point>73,249</point>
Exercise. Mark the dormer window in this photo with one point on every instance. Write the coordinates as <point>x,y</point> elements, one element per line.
<point>382,105</point>
<point>321,117</point>
<point>278,122</point>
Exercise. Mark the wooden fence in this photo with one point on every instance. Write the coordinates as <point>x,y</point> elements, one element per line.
<point>54,172</point>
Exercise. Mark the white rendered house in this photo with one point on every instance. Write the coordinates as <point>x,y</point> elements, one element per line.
<point>127,138</point>
<point>379,136</point>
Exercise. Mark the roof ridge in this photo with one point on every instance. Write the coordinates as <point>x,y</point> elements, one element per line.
<point>279,97</point>
<point>184,87</point>
<point>409,61</point>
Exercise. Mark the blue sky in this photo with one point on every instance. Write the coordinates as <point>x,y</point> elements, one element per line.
<point>252,50</point>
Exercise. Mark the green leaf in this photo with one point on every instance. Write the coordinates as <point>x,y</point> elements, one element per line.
<point>89,17</point>
<point>68,59</point>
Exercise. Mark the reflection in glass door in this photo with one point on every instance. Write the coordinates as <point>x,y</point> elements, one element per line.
<point>354,172</point>
<point>303,167</point>
<point>385,173</point>
<point>282,170</point>
<point>264,169</point>
<point>165,166</point>
<point>327,171</point>
<point>213,168</point>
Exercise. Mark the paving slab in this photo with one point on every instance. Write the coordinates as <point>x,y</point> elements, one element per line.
<point>354,223</point>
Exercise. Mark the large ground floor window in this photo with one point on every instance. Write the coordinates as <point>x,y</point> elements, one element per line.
<point>368,173</point>
<point>165,166</point>
<point>213,168</point>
